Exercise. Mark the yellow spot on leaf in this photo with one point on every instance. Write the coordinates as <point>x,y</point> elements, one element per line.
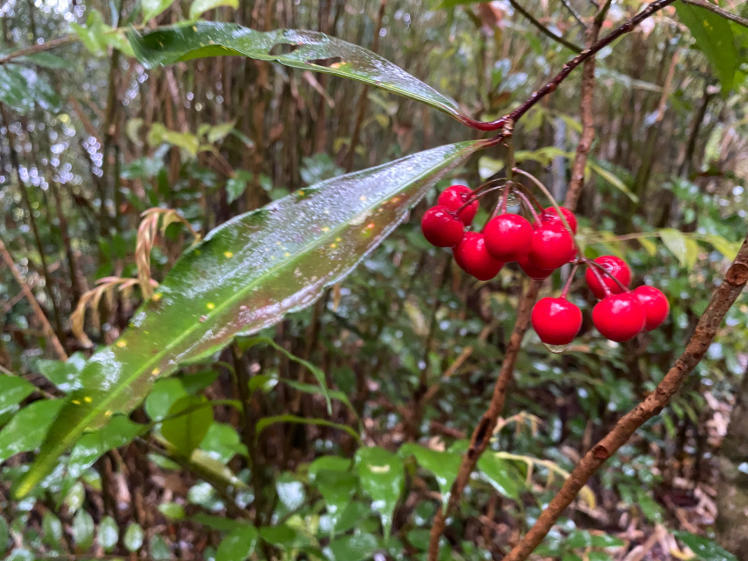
<point>286,254</point>
<point>333,245</point>
<point>155,372</point>
<point>88,399</point>
<point>157,296</point>
<point>228,254</point>
<point>210,305</point>
<point>325,228</point>
<point>107,413</point>
<point>76,402</point>
<point>121,343</point>
<point>338,239</point>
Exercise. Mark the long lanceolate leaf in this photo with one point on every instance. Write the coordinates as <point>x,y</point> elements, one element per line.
<point>310,50</point>
<point>244,276</point>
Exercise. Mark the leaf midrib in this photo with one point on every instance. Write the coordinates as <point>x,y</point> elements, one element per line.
<point>66,441</point>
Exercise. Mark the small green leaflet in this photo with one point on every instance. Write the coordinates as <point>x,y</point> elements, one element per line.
<point>244,276</point>
<point>309,50</point>
<point>714,37</point>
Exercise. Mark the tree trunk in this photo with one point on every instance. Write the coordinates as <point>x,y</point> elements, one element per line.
<point>732,498</point>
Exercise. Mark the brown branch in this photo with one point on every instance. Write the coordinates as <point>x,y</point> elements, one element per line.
<point>483,431</point>
<point>46,326</point>
<point>553,83</point>
<point>719,11</point>
<point>587,114</point>
<point>32,50</point>
<point>543,29</point>
<point>703,334</point>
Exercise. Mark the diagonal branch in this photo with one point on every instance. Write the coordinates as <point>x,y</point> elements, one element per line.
<point>722,299</point>
<point>719,11</point>
<point>544,29</point>
<point>554,82</point>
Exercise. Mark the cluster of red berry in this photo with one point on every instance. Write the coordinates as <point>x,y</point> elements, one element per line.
<point>540,248</point>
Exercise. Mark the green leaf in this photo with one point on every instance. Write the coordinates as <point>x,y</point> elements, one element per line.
<point>357,547</point>
<point>218,132</point>
<point>239,544</point>
<point>92,34</point>
<point>13,390</point>
<point>714,37</point>
<point>187,423</point>
<point>725,247</point>
<point>22,87</point>
<point>265,422</point>
<point>236,185</point>
<point>199,6</point>
<point>613,180</point>
<point>91,446</point>
<point>45,60</point>
<point>685,249</point>
<point>83,531</point>
<point>187,141</point>
<point>290,491</point>
<point>500,474</point>
<point>172,511</point>
<point>65,375</point>
<point>152,8</point>
<point>4,535</point>
<point>382,476</point>
<point>108,533</point>
<point>27,428</point>
<point>164,394</point>
<point>309,50</point>
<point>318,374</point>
<point>222,442</point>
<point>244,276</point>
<point>704,548</point>
<point>331,475</point>
<point>133,538</point>
<point>444,465</point>
<point>52,530</point>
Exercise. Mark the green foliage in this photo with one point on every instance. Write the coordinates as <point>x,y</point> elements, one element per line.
<point>309,50</point>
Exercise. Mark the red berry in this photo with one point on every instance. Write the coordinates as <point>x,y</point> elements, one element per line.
<point>473,257</point>
<point>551,246</point>
<point>616,267</point>
<point>532,270</point>
<point>508,236</point>
<point>550,216</point>
<point>441,227</point>
<point>656,306</point>
<point>456,196</point>
<point>619,317</point>
<point>556,320</point>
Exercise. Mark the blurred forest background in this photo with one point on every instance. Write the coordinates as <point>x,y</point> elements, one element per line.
<point>89,140</point>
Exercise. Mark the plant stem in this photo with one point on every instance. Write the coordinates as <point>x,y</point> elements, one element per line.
<point>553,83</point>
<point>719,11</point>
<point>596,266</point>
<point>573,272</point>
<point>703,334</point>
<point>544,29</point>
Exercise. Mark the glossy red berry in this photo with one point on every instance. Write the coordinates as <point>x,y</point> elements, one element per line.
<point>532,270</point>
<point>508,236</point>
<point>551,246</point>
<point>457,195</point>
<point>616,267</point>
<point>556,320</point>
<point>619,317</point>
<point>550,216</point>
<point>441,227</point>
<point>473,257</point>
<point>656,306</point>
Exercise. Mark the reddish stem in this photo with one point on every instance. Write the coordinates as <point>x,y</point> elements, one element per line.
<point>573,272</point>
<point>596,266</point>
<point>600,279</point>
<point>528,205</point>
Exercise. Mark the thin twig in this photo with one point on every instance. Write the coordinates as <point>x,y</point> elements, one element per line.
<point>46,326</point>
<point>719,11</point>
<point>553,83</point>
<point>483,431</point>
<point>573,12</point>
<point>587,114</point>
<point>41,47</point>
<point>544,29</point>
<point>703,334</point>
